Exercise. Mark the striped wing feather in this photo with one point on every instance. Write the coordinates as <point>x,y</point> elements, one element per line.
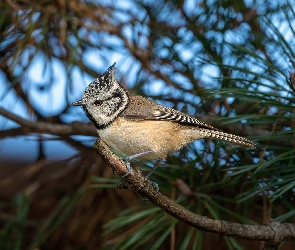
<point>176,116</point>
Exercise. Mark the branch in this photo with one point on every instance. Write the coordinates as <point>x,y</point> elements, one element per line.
<point>75,128</point>
<point>272,233</point>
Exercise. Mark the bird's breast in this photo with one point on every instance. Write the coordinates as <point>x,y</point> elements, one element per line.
<point>136,136</point>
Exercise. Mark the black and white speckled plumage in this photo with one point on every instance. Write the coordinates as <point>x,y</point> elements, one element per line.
<point>104,99</point>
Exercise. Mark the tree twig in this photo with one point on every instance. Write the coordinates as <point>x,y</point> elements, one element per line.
<point>75,128</point>
<point>272,233</point>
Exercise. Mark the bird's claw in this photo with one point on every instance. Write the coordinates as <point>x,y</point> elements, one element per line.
<point>155,186</point>
<point>127,159</point>
<point>128,171</point>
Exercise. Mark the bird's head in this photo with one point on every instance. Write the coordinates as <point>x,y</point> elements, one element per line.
<point>104,99</point>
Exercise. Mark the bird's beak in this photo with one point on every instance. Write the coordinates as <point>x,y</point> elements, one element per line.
<point>77,103</point>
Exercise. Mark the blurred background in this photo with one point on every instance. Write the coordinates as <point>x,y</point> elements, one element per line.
<point>228,63</point>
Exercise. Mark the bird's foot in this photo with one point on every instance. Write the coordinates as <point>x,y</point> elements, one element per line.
<point>155,185</point>
<point>127,159</point>
<point>128,171</point>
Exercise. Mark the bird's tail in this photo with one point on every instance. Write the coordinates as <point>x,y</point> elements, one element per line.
<point>212,134</point>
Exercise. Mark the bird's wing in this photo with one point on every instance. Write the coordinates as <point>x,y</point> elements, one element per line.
<point>141,108</point>
<point>169,114</point>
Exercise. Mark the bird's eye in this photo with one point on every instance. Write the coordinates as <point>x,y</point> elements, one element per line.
<point>98,103</point>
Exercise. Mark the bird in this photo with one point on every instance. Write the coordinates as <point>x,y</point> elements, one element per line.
<point>139,127</point>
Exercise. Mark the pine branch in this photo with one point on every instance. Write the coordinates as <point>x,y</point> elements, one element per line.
<point>272,233</point>
<point>75,128</point>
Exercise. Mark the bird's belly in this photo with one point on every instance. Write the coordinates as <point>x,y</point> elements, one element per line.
<point>136,136</point>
